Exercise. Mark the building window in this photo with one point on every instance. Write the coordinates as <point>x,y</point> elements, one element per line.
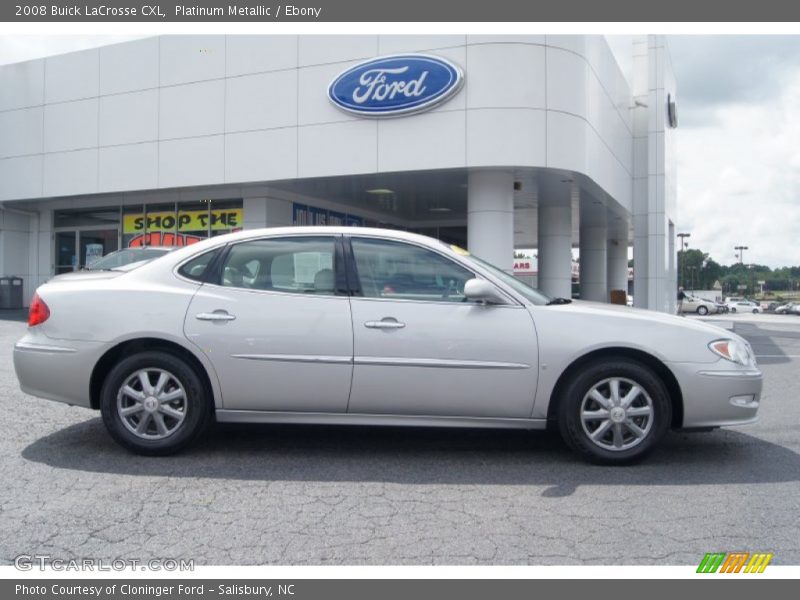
<point>180,224</point>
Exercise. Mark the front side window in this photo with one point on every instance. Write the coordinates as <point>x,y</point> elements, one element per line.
<point>531,293</point>
<point>396,270</point>
<point>301,265</point>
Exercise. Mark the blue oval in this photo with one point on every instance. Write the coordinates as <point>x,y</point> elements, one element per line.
<point>395,85</point>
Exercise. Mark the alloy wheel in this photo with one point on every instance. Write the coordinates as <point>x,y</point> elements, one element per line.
<point>616,414</point>
<point>152,403</point>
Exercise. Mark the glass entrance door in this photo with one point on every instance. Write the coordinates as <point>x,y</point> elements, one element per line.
<point>96,243</point>
<point>77,249</point>
<point>66,251</point>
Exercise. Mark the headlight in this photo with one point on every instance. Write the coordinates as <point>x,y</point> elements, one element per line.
<point>734,351</point>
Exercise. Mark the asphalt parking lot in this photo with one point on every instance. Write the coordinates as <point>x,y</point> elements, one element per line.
<point>325,495</point>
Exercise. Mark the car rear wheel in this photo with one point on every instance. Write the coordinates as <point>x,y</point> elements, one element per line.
<point>755,311</point>
<point>614,412</point>
<point>733,310</point>
<point>154,403</point>
<point>702,310</point>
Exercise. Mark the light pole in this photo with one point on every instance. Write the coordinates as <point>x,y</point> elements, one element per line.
<point>682,255</point>
<point>692,271</point>
<point>703,274</point>
<point>740,252</point>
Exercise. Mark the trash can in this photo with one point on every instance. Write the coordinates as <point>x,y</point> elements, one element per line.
<point>619,297</point>
<point>10,292</point>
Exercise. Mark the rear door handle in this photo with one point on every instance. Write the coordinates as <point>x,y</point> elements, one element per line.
<point>217,315</point>
<point>385,323</point>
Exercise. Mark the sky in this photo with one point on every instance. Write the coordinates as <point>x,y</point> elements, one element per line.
<point>738,144</point>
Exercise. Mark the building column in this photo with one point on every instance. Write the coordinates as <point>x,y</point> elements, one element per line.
<point>617,269</point>
<point>555,240</point>
<point>490,217</point>
<point>593,262</point>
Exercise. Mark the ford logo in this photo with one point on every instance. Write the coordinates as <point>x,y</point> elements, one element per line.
<point>397,85</point>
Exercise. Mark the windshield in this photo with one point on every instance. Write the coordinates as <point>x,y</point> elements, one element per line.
<point>120,258</point>
<point>520,287</point>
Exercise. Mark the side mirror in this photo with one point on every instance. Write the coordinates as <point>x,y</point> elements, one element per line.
<point>482,291</point>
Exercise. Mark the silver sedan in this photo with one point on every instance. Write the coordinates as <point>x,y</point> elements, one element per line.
<point>371,327</point>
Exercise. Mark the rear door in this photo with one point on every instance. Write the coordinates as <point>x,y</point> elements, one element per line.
<point>276,326</point>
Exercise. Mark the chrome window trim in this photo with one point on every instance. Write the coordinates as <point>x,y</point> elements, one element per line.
<point>514,300</point>
<point>434,303</point>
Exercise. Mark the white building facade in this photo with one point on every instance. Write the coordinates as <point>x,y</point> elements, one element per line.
<point>544,144</point>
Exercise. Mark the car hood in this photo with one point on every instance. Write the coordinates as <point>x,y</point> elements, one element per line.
<point>590,325</point>
<point>617,311</point>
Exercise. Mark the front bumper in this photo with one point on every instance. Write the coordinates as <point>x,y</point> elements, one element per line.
<point>57,370</point>
<point>718,397</point>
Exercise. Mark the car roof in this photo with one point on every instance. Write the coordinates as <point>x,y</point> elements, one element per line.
<point>328,230</point>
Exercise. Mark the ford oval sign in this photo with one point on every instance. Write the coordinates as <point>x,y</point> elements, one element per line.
<point>393,86</point>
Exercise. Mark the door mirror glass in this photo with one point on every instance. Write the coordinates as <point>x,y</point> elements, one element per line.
<point>481,290</point>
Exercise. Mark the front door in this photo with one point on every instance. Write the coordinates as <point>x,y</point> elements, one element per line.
<point>420,348</point>
<point>276,327</point>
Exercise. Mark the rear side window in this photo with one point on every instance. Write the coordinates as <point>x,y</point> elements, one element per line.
<point>300,265</point>
<point>197,268</point>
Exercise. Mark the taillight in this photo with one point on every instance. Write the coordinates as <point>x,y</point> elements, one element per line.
<point>38,312</point>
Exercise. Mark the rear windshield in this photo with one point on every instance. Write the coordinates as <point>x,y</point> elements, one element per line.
<point>125,257</point>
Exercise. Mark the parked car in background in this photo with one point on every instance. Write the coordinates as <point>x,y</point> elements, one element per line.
<point>785,309</point>
<point>698,305</point>
<point>744,306</point>
<point>359,326</point>
<point>126,259</point>
<point>128,256</point>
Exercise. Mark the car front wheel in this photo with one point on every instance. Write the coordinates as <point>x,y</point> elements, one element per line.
<point>154,403</point>
<point>702,310</point>
<point>614,412</point>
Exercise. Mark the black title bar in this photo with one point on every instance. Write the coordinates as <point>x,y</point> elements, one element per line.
<point>400,11</point>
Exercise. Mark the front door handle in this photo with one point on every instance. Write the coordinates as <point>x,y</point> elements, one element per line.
<point>217,315</point>
<point>385,323</point>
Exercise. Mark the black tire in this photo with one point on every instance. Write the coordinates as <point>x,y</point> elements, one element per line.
<point>195,404</point>
<point>702,310</point>
<point>569,410</point>
<point>755,311</point>
<point>733,310</point>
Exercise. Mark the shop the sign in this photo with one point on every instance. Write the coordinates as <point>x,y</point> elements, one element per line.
<point>393,86</point>
<point>184,221</point>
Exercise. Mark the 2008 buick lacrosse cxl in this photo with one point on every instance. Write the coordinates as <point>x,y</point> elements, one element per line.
<point>373,327</point>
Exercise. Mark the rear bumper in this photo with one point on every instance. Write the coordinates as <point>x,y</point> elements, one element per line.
<point>57,370</point>
<point>718,397</point>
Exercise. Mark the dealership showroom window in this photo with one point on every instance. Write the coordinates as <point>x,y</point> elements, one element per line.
<point>171,139</point>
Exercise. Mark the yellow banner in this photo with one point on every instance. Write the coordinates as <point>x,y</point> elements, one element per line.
<point>221,219</point>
